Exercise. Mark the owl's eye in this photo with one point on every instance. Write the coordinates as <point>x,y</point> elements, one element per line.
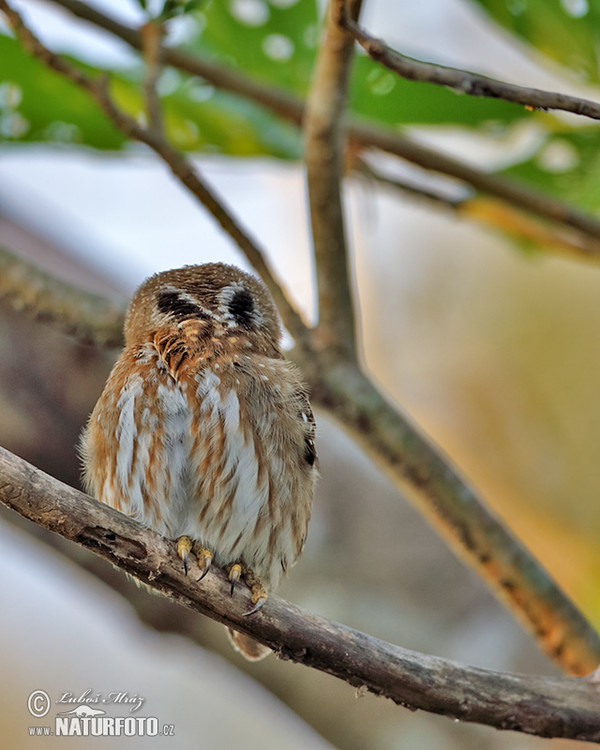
<point>171,302</point>
<point>241,306</point>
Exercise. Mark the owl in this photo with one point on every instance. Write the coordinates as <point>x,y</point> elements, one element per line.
<point>204,431</point>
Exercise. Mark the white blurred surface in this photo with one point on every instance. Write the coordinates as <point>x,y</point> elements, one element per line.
<point>70,633</point>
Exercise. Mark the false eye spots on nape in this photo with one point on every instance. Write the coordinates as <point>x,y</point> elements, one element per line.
<point>241,306</point>
<point>179,304</point>
<point>237,307</point>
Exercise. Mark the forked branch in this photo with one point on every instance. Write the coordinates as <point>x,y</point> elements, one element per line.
<point>340,387</point>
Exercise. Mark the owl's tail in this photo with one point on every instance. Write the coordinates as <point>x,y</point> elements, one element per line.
<point>246,646</point>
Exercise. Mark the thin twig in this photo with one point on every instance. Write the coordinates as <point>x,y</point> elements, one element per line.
<point>324,155</point>
<point>362,168</point>
<point>512,192</point>
<point>183,169</point>
<point>466,82</point>
<point>493,214</point>
<point>291,109</point>
<point>544,706</point>
<point>86,316</point>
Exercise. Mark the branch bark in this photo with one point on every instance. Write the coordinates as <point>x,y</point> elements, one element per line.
<point>366,135</point>
<point>324,156</point>
<point>86,316</point>
<point>544,706</point>
<point>460,516</point>
<point>508,190</point>
<point>466,82</point>
<point>152,35</point>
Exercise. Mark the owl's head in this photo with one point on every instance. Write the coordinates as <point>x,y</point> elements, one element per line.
<point>228,302</point>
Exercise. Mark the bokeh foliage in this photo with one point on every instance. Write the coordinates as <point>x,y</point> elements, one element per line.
<point>275,42</point>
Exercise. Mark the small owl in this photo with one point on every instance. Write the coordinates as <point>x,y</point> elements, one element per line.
<point>204,432</point>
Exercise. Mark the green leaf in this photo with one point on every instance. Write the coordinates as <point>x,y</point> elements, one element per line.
<point>566,164</point>
<point>274,41</point>
<point>567,31</point>
<point>223,123</point>
<point>37,104</point>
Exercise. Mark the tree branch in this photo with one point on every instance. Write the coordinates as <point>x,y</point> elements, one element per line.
<point>364,169</point>
<point>324,156</point>
<point>152,34</point>
<point>547,707</point>
<point>278,101</point>
<point>291,109</point>
<point>459,515</point>
<point>181,168</point>
<point>480,538</point>
<point>493,213</point>
<point>466,82</point>
<point>508,190</point>
<point>86,316</point>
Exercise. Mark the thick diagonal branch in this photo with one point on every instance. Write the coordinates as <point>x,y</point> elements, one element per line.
<point>547,707</point>
<point>457,512</point>
<point>86,316</point>
<point>492,213</point>
<point>324,156</point>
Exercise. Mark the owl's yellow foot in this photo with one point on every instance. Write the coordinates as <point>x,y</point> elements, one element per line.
<point>185,546</point>
<point>204,557</point>
<point>235,572</point>
<point>258,591</point>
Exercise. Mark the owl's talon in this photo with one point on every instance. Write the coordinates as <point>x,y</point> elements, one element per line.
<point>204,558</point>
<point>206,568</point>
<point>256,607</point>
<point>234,575</point>
<point>259,593</point>
<point>184,547</point>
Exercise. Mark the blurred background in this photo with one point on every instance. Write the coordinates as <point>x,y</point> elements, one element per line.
<point>490,345</point>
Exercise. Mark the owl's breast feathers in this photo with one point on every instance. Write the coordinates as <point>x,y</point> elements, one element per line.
<point>212,442</point>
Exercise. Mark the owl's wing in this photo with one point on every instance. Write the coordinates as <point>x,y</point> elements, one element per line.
<point>307,417</point>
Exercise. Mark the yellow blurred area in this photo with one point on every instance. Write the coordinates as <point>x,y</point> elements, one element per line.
<point>496,354</point>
